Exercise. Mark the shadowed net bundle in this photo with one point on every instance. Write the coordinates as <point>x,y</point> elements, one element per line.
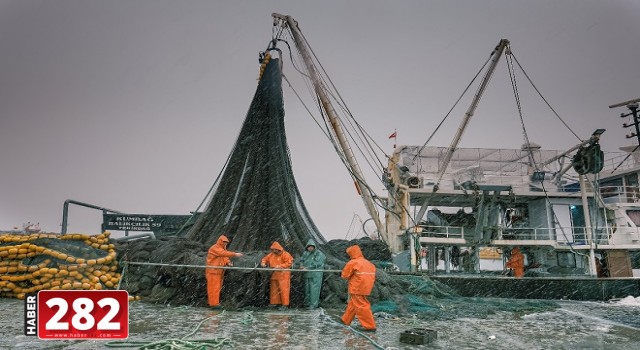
<point>257,201</point>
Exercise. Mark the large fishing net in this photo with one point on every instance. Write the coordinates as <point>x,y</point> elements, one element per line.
<point>257,200</point>
<point>255,203</point>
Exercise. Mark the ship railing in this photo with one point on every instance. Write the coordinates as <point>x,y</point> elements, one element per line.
<point>620,194</point>
<point>620,161</point>
<point>527,234</point>
<point>456,232</point>
<point>574,235</point>
<point>602,235</point>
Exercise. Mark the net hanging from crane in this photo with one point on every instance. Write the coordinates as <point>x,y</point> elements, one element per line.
<point>257,200</point>
<point>255,203</point>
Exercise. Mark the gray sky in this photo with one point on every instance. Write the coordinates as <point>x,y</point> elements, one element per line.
<point>135,105</point>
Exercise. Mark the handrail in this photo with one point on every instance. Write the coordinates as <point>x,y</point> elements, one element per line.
<point>622,194</point>
<point>562,235</point>
<point>65,211</point>
<point>574,235</point>
<point>442,231</point>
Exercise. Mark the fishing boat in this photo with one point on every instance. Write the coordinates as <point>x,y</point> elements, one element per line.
<point>447,205</point>
<point>577,243</point>
<point>574,219</point>
<point>574,227</point>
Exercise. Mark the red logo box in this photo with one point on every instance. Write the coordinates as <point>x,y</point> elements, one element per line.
<point>83,314</point>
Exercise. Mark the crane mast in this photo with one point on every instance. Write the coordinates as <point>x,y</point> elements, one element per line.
<point>497,53</point>
<point>343,144</point>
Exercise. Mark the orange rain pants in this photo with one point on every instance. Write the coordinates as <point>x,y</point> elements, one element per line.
<point>218,255</point>
<point>279,291</point>
<point>359,306</point>
<point>214,286</point>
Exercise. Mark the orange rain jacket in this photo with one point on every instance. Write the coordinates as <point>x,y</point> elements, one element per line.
<point>359,271</point>
<point>281,261</point>
<point>516,262</point>
<point>219,256</point>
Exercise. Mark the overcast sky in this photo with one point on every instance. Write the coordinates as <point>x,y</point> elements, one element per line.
<point>135,105</point>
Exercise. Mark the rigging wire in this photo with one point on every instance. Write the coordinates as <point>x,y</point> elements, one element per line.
<point>449,112</point>
<point>337,97</point>
<point>361,182</point>
<point>625,159</point>
<point>363,137</point>
<point>351,226</point>
<point>213,186</point>
<point>543,98</point>
<point>331,139</point>
<point>514,85</point>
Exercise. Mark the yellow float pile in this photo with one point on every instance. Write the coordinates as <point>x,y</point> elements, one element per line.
<point>33,262</point>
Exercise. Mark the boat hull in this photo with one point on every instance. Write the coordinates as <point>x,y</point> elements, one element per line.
<point>542,287</point>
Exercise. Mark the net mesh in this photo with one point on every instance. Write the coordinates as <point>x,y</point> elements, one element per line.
<point>255,203</point>
<point>257,200</point>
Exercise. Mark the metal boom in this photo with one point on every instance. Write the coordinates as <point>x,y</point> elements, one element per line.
<point>344,147</point>
<point>497,53</point>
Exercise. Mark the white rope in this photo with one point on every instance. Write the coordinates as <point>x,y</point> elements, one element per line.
<point>329,318</point>
<point>226,267</point>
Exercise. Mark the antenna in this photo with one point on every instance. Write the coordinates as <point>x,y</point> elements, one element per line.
<point>633,107</point>
<point>625,103</point>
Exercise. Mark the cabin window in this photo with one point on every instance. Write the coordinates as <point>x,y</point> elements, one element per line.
<point>566,259</point>
<point>631,180</point>
<point>634,215</point>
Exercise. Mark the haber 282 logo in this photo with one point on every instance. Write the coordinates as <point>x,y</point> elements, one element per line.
<point>77,314</point>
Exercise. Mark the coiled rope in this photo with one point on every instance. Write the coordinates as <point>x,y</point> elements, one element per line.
<point>217,343</point>
<point>328,318</point>
<point>176,344</point>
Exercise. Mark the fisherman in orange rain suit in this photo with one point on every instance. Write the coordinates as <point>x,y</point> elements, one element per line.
<point>516,262</point>
<point>361,275</point>
<point>218,255</point>
<point>280,280</point>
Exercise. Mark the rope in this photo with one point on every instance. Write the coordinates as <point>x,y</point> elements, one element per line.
<point>510,58</point>
<point>338,98</point>
<point>176,344</point>
<point>247,318</point>
<point>454,106</point>
<point>327,317</point>
<point>543,98</point>
<point>227,267</point>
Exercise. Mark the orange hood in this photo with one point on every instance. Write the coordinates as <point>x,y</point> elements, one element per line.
<point>354,252</point>
<point>222,239</point>
<point>277,246</point>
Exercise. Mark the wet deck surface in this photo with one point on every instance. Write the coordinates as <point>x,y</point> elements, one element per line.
<point>575,325</point>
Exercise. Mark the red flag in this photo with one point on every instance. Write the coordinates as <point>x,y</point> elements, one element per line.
<point>393,136</point>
